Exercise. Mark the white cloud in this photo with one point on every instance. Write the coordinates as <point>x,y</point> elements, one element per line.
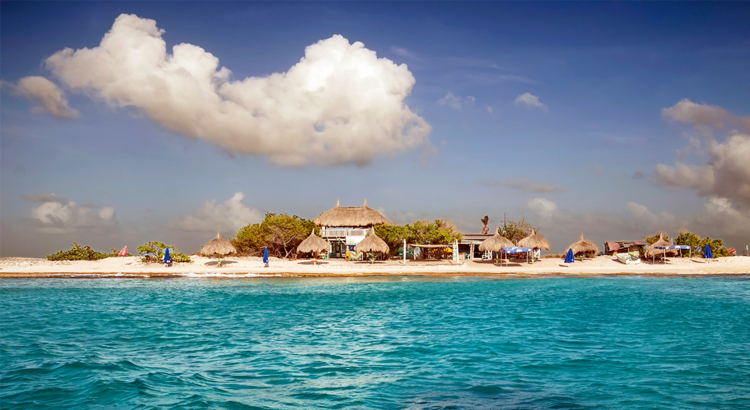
<point>212,216</point>
<point>542,207</point>
<point>456,102</point>
<point>489,110</point>
<point>56,215</point>
<point>530,101</point>
<point>49,95</point>
<point>726,174</point>
<point>340,104</point>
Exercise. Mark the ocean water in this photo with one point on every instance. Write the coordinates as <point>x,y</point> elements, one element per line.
<point>383,343</point>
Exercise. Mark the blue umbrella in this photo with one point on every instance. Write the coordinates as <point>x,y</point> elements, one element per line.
<point>569,256</point>
<point>167,259</point>
<point>265,256</point>
<point>707,253</point>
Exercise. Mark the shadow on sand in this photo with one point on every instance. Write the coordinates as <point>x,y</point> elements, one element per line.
<point>214,263</point>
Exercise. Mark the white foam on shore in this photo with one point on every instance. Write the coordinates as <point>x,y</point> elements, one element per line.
<point>226,275</point>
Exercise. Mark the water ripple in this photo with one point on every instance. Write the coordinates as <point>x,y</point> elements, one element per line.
<point>381,343</point>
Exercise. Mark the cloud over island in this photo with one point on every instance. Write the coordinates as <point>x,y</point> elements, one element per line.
<point>340,104</point>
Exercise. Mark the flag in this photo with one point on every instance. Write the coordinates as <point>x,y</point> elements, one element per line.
<point>124,251</point>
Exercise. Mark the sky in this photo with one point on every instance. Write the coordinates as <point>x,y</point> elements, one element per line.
<point>125,122</point>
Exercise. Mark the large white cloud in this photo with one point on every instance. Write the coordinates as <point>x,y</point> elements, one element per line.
<point>726,174</point>
<point>340,104</point>
<point>48,94</point>
<point>57,215</point>
<point>212,216</point>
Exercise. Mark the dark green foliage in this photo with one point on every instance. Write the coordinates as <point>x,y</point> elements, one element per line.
<point>516,230</point>
<point>698,245</point>
<point>717,247</point>
<point>437,232</point>
<point>153,252</point>
<point>282,234</point>
<point>79,253</point>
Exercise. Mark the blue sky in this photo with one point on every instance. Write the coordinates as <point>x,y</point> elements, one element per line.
<point>609,119</point>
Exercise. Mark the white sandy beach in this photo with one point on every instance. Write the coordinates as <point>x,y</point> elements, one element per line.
<point>253,267</point>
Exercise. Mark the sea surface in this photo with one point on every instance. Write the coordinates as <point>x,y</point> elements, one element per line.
<point>382,343</point>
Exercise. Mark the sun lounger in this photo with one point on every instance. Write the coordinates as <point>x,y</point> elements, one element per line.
<point>628,258</point>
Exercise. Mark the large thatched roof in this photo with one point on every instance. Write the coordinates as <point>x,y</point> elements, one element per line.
<point>217,246</point>
<point>354,216</point>
<point>584,246</point>
<point>314,243</point>
<point>534,241</point>
<point>372,243</point>
<point>495,243</point>
<point>652,252</point>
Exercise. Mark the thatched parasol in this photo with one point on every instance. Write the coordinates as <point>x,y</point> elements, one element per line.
<point>218,246</point>
<point>495,243</point>
<point>372,243</point>
<point>351,216</point>
<point>314,243</point>
<point>584,246</point>
<point>534,241</point>
<point>652,252</point>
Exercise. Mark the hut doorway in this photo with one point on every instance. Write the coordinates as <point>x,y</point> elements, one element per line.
<point>338,249</point>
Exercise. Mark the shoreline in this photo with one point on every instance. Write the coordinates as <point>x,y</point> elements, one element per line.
<point>249,267</point>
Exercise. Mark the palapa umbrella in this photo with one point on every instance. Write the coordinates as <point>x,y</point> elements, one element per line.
<point>315,244</point>
<point>372,243</point>
<point>653,250</point>
<point>496,243</point>
<point>583,247</point>
<point>218,246</point>
<point>534,241</point>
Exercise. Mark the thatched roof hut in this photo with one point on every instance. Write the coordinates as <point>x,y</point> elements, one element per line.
<point>314,243</point>
<point>584,247</point>
<point>495,243</point>
<point>372,243</point>
<point>218,246</point>
<point>652,252</point>
<point>351,216</point>
<point>534,241</point>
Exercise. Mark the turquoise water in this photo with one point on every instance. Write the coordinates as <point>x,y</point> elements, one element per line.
<point>564,343</point>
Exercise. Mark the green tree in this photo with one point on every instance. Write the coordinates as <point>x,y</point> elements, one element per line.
<point>281,233</point>
<point>393,236</point>
<point>250,239</point>
<point>515,230</point>
<point>688,238</point>
<point>153,252</point>
<point>717,247</point>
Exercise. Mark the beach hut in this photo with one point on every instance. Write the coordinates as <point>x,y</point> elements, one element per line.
<point>372,243</point>
<point>534,241</point>
<point>351,217</point>
<point>584,247</point>
<point>315,244</point>
<point>218,246</point>
<point>345,226</point>
<point>659,248</point>
<point>496,243</point>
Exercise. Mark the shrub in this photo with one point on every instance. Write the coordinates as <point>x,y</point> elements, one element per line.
<point>153,252</point>
<point>79,253</point>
